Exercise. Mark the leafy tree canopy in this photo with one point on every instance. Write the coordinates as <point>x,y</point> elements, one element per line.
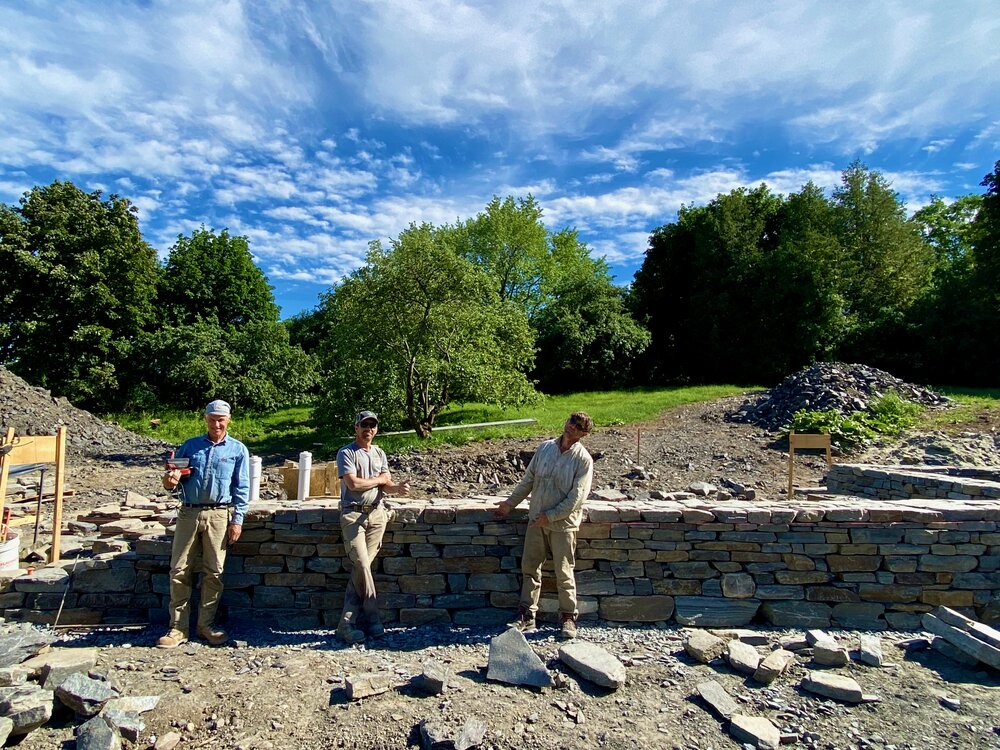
<point>78,285</point>
<point>417,327</point>
<point>212,277</point>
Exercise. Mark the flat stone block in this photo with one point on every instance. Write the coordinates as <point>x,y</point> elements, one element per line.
<point>709,612</point>
<point>652,608</point>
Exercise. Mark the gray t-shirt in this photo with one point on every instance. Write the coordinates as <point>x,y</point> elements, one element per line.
<point>364,464</point>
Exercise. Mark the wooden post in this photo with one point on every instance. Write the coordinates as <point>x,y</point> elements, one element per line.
<point>58,501</point>
<point>5,467</point>
<point>806,441</point>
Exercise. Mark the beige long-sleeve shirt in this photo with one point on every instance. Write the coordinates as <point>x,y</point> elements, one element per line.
<point>558,482</point>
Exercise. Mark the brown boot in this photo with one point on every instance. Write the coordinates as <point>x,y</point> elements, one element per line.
<point>525,621</point>
<point>212,635</point>
<point>173,639</point>
<point>349,634</point>
<point>568,625</point>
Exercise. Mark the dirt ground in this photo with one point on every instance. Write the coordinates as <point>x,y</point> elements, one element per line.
<point>287,689</point>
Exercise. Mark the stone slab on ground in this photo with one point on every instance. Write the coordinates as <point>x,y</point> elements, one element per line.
<point>721,702</point>
<point>758,731</point>
<point>84,695</point>
<point>137,703</point>
<point>773,666</point>
<point>6,727</point>
<point>836,686</point>
<point>953,652</point>
<point>870,650</point>
<point>742,657</point>
<point>593,663</point>
<point>55,666</point>
<point>830,653</point>
<point>128,723</point>
<point>980,630</point>
<point>511,660</point>
<point>434,678</point>
<point>704,647</point>
<point>20,641</point>
<point>435,735</point>
<point>753,637</point>
<point>368,684</point>
<point>97,734</point>
<point>28,706</point>
<point>962,640</point>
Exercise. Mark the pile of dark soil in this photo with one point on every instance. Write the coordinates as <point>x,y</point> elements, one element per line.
<point>823,386</point>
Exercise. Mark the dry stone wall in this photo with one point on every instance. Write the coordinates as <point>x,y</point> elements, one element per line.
<point>901,482</point>
<point>821,561</point>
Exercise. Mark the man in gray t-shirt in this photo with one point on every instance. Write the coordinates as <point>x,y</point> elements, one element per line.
<point>364,481</point>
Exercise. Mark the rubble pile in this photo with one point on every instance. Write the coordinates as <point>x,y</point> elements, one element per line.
<point>823,386</point>
<point>40,684</point>
<point>35,411</point>
<point>488,471</point>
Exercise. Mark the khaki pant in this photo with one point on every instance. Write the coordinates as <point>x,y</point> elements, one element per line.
<point>539,544</point>
<point>362,534</point>
<point>199,531</point>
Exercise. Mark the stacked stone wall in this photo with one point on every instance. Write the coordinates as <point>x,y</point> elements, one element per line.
<point>901,482</point>
<point>847,562</point>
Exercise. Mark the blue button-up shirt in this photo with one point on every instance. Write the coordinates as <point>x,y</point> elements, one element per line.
<point>220,474</point>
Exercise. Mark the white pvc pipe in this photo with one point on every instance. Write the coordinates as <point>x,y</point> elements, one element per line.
<point>255,473</point>
<point>305,473</point>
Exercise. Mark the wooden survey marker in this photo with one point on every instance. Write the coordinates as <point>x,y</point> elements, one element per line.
<point>36,449</point>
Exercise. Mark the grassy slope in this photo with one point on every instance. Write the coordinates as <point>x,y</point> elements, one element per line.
<point>289,431</point>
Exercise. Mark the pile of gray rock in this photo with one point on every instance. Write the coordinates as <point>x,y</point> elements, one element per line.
<point>35,411</point>
<point>38,682</point>
<point>823,386</point>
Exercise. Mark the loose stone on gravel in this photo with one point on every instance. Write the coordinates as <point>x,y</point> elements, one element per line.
<point>704,647</point>
<point>742,657</point>
<point>512,661</point>
<point>773,666</point>
<point>6,727</point>
<point>84,695</point>
<point>830,653</point>
<point>54,667</point>
<point>593,663</point>
<point>96,734</point>
<point>128,723</point>
<point>870,650</point>
<point>836,686</point>
<point>434,679</point>
<point>717,698</point>
<point>368,684</point>
<point>28,706</point>
<point>759,731</point>
<point>435,735</point>
<point>168,741</point>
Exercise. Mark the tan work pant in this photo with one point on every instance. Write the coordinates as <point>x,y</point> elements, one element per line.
<point>362,534</point>
<point>199,530</point>
<point>540,543</point>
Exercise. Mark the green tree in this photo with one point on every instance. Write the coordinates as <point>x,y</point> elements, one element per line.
<point>417,327</point>
<point>509,241</point>
<point>212,277</point>
<point>78,285</point>
<point>253,366</point>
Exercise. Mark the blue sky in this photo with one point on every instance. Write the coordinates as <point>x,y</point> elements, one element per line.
<point>315,127</point>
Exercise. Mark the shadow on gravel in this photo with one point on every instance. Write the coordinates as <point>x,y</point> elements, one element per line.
<point>951,671</point>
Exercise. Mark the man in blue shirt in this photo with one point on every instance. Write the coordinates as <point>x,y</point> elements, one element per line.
<point>215,497</point>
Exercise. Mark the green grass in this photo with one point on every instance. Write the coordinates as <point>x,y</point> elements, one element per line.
<point>288,431</point>
<point>974,409</point>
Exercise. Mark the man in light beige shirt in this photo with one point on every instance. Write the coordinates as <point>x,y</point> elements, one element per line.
<point>558,478</point>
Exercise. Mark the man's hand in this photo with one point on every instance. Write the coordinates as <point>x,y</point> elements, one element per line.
<point>403,488</point>
<point>233,533</point>
<point>540,520</point>
<point>502,510</point>
<point>171,479</point>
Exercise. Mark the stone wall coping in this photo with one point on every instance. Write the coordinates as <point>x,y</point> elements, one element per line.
<point>812,508</point>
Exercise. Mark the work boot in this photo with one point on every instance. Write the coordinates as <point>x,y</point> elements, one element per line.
<point>525,621</point>
<point>212,635</point>
<point>375,629</point>
<point>568,625</point>
<point>349,634</point>
<point>173,639</point>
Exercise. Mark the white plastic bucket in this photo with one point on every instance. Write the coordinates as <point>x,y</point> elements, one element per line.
<point>10,552</point>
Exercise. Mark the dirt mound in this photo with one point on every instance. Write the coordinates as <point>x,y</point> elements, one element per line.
<point>824,386</point>
<point>34,411</point>
<point>938,449</point>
